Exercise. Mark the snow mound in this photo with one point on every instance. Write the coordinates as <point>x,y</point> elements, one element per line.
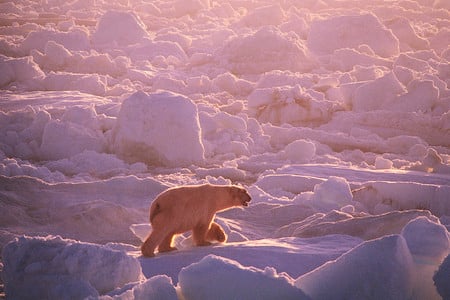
<point>265,50</point>
<point>122,28</point>
<point>356,274</point>
<point>216,277</point>
<point>38,268</point>
<point>328,35</point>
<point>160,128</point>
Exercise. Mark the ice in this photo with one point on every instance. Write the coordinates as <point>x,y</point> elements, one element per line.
<point>56,268</point>
<point>149,130</point>
<point>204,280</point>
<point>334,115</point>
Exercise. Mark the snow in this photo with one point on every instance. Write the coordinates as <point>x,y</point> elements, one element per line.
<point>334,115</point>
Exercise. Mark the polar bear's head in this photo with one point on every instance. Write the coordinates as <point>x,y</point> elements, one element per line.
<point>240,196</point>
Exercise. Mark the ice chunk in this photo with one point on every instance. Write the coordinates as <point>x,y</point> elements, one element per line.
<point>299,151</point>
<point>123,28</point>
<point>89,83</point>
<point>377,94</point>
<point>160,128</point>
<point>51,267</point>
<point>216,277</point>
<point>65,139</point>
<point>426,239</point>
<point>290,104</point>
<point>158,287</point>
<point>328,35</point>
<point>76,39</point>
<point>331,194</point>
<point>428,242</point>
<point>22,70</point>
<point>264,15</point>
<point>265,50</point>
<point>383,163</point>
<point>377,269</point>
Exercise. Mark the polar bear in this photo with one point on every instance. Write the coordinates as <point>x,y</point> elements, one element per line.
<point>185,208</point>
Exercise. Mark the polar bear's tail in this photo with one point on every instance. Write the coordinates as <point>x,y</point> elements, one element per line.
<point>154,210</point>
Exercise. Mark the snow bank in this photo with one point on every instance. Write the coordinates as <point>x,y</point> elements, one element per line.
<point>216,277</point>
<point>37,267</point>
<point>331,34</point>
<point>356,274</point>
<point>159,129</point>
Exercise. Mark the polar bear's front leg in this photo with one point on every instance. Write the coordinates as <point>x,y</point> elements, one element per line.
<point>199,234</point>
<point>166,244</point>
<point>152,241</point>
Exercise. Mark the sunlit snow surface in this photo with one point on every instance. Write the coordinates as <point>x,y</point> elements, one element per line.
<point>333,114</point>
